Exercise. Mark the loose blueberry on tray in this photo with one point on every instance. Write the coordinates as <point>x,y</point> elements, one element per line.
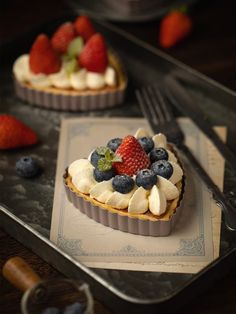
<point>27,167</point>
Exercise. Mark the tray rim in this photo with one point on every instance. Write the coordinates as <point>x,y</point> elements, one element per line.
<point>4,212</point>
<point>211,271</point>
<point>122,16</point>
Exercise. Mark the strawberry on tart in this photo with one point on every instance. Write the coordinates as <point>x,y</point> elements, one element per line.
<point>72,70</point>
<point>134,184</point>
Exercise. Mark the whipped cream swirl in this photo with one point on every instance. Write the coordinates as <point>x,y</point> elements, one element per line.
<point>79,80</point>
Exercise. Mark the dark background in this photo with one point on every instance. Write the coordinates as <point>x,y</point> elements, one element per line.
<point>211,49</point>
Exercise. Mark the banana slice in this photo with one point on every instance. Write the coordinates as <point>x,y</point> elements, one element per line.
<point>159,140</point>
<point>168,188</point>
<point>171,156</point>
<point>119,200</point>
<point>138,203</point>
<point>157,201</point>
<point>177,173</point>
<point>102,191</point>
<point>110,76</point>
<point>141,132</point>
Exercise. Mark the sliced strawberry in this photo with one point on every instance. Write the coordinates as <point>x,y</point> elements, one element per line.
<point>63,36</point>
<point>133,157</point>
<point>93,56</point>
<point>14,133</point>
<point>84,27</point>
<point>42,58</point>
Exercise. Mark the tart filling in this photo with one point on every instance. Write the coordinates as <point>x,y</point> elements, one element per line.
<point>170,209</point>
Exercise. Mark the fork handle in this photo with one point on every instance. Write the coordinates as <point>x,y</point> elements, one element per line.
<point>228,210</point>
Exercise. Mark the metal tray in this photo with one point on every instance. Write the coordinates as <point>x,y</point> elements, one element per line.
<point>130,12</point>
<point>28,219</point>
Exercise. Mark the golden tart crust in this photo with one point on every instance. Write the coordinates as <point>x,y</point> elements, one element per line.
<point>171,205</point>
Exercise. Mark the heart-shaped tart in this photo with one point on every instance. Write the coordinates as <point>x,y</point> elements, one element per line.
<point>134,184</point>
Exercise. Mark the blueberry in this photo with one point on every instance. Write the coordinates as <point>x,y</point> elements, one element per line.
<point>162,168</point>
<point>27,167</point>
<point>75,308</point>
<point>51,310</point>
<point>146,178</point>
<point>114,143</point>
<point>158,154</point>
<point>100,176</point>
<point>94,158</point>
<point>146,143</point>
<point>123,183</point>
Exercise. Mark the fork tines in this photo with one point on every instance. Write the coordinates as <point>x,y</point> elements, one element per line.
<point>153,105</point>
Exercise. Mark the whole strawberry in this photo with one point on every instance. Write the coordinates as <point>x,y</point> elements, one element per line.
<point>93,56</point>
<point>84,27</point>
<point>133,157</point>
<point>42,57</point>
<point>174,27</point>
<point>62,37</point>
<point>14,133</point>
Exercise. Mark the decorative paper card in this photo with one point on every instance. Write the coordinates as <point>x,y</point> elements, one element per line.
<point>193,243</point>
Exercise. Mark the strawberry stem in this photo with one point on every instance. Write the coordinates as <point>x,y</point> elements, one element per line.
<point>183,9</point>
<point>107,157</point>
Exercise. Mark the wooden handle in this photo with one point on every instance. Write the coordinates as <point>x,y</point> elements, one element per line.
<point>20,274</point>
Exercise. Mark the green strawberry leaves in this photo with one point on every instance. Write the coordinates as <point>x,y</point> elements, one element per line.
<point>70,66</point>
<point>69,59</point>
<point>107,157</point>
<point>75,47</point>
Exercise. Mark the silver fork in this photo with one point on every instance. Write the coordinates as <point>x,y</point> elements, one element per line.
<point>158,112</point>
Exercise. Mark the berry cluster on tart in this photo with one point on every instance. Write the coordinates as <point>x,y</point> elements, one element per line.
<point>134,184</point>
<point>71,70</point>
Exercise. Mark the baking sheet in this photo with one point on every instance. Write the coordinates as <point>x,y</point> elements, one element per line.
<point>126,12</point>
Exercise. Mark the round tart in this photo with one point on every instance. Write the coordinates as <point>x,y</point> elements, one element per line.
<point>144,209</point>
<point>77,73</point>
